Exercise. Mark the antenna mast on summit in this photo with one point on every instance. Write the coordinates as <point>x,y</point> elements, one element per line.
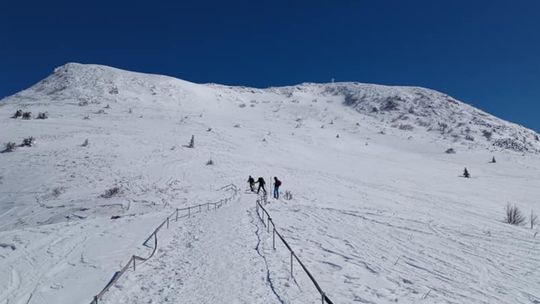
<point>332,80</point>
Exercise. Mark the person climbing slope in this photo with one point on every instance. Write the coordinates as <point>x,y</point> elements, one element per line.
<point>261,183</point>
<point>251,182</point>
<point>277,184</point>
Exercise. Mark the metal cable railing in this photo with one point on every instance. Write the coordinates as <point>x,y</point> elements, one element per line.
<point>259,206</point>
<point>191,210</point>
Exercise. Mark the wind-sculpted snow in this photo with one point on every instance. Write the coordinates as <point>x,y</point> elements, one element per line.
<point>379,211</point>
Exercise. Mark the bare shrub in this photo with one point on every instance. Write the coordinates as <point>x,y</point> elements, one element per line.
<point>43,115</point>
<point>58,191</point>
<point>10,147</point>
<point>288,195</point>
<point>111,192</point>
<point>27,115</point>
<point>514,215</point>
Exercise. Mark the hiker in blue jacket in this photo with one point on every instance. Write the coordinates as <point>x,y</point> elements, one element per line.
<point>277,184</point>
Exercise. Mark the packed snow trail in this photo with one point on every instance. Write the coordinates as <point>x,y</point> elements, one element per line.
<point>208,258</point>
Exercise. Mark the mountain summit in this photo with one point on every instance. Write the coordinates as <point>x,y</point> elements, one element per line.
<point>412,111</point>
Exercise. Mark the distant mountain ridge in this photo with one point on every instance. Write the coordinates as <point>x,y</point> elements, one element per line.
<point>407,109</point>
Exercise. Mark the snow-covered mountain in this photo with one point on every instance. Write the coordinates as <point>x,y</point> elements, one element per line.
<point>402,108</point>
<point>379,213</point>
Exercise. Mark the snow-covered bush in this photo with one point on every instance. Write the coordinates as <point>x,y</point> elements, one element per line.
<point>43,115</point>
<point>450,151</point>
<point>10,147</point>
<point>487,134</point>
<point>406,127</point>
<point>28,142</point>
<point>514,215</point>
<point>389,105</point>
<point>17,114</point>
<point>511,144</point>
<point>111,192</point>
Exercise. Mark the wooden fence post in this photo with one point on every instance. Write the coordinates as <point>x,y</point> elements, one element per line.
<point>274,238</point>
<point>292,275</point>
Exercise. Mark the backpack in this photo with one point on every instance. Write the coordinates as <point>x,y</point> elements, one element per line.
<point>278,183</point>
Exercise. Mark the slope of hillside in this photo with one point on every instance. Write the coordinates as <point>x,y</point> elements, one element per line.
<point>379,212</point>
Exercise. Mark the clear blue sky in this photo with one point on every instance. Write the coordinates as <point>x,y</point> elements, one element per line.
<point>486,53</point>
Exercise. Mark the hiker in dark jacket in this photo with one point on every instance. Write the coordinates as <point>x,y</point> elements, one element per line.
<point>261,183</point>
<point>251,182</point>
<point>277,183</point>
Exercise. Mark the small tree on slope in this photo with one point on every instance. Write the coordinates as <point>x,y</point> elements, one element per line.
<point>192,142</point>
<point>466,173</point>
